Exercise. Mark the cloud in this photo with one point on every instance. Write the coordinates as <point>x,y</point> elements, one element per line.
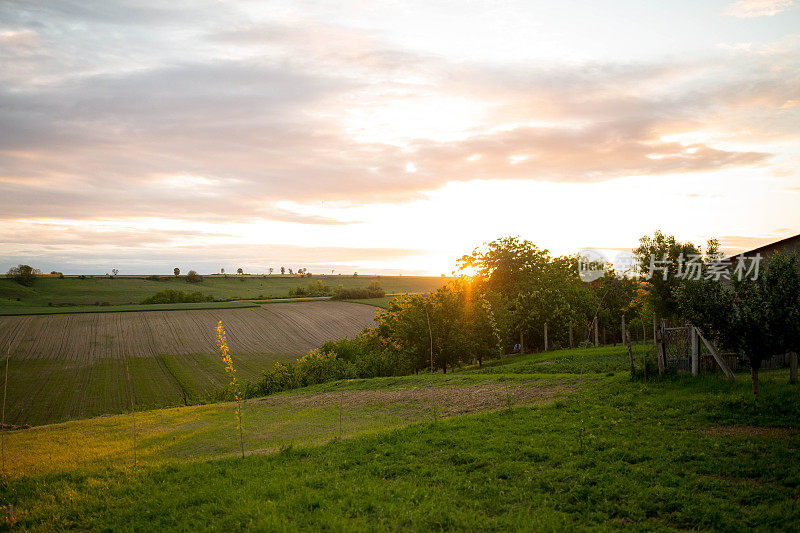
<point>757,8</point>
<point>73,257</point>
<point>119,110</point>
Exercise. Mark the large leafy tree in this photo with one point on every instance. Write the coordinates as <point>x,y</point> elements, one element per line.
<point>530,288</point>
<point>506,263</point>
<point>661,259</point>
<point>24,274</point>
<point>757,317</point>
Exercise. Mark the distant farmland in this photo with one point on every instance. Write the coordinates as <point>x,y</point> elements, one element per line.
<point>73,366</point>
<point>57,293</point>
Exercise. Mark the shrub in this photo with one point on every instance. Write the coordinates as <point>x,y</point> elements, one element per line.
<point>342,359</point>
<point>172,296</point>
<point>314,288</point>
<point>373,290</point>
<point>193,277</point>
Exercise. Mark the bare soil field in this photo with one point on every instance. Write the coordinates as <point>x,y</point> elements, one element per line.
<point>281,328</point>
<point>75,366</point>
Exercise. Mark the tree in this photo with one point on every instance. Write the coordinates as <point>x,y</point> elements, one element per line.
<point>270,270</point>
<point>193,277</point>
<point>176,271</point>
<point>505,263</point>
<point>529,288</point>
<point>23,274</point>
<point>662,261</point>
<point>114,271</point>
<point>239,270</point>
<point>290,271</point>
<point>222,271</point>
<point>283,270</point>
<point>756,317</point>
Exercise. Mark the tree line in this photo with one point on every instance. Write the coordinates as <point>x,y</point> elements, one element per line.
<point>520,297</point>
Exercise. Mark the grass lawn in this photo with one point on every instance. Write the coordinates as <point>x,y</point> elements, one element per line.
<point>574,360</point>
<point>54,292</point>
<point>600,452</point>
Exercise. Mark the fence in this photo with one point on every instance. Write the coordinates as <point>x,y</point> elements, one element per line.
<point>680,343</point>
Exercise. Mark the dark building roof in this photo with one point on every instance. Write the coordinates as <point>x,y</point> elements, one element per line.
<point>787,245</point>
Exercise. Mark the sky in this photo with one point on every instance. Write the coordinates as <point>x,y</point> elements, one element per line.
<point>389,137</point>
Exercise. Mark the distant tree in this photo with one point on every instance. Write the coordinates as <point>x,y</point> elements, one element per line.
<point>270,270</point>
<point>193,277</point>
<point>355,274</point>
<point>222,271</point>
<point>283,270</point>
<point>114,271</point>
<point>239,270</point>
<point>290,271</point>
<point>176,271</point>
<point>23,274</point>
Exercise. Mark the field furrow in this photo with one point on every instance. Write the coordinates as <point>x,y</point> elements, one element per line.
<point>73,365</point>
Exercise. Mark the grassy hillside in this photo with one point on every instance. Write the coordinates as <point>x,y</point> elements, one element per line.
<point>50,291</point>
<point>599,453</point>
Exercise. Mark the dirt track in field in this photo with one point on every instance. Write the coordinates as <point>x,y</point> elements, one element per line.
<point>280,328</point>
<point>450,400</point>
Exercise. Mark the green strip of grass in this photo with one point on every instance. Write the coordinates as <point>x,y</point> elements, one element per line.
<point>619,455</point>
<point>128,308</point>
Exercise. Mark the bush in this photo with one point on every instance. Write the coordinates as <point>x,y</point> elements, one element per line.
<point>342,359</point>
<point>314,288</point>
<point>153,277</point>
<point>193,277</point>
<point>373,290</point>
<point>172,296</point>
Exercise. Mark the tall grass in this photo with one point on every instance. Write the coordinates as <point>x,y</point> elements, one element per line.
<point>222,342</point>
<point>133,412</point>
<point>3,423</point>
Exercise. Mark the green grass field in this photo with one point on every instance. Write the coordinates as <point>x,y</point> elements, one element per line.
<point>543,451</point>
<point>64,294</point>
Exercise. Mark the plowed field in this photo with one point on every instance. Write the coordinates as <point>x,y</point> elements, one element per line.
<point>73,366</point>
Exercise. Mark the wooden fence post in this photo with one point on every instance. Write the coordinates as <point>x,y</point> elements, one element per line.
<point>717,357</point>
<point>545,336</point>
<point>792,367</point>
<point>571,343</point>
<point>596,338</point>
<point>663,341</point>
<point>623,329</point>
<point>695,353</point>
<point>657,342</point>
<point>627,334</point>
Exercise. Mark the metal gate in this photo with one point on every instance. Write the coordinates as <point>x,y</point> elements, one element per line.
<point>678,347</point>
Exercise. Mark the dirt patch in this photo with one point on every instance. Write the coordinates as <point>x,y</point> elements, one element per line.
<point>451,400</point>
<point>750,431</point>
